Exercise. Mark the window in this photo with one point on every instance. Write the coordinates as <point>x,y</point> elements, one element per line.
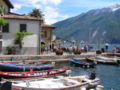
<point>1,6</point>
<point>6,28</point>
<point>45,33</point>
<point>0,46</point>
<point>0,36</point>
<point>23,28</point>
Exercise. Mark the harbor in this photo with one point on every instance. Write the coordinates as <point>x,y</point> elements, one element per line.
<point>106,79</point>
<point>44,45</point>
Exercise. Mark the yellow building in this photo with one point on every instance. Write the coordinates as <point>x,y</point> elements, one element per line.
<point>47,34</point>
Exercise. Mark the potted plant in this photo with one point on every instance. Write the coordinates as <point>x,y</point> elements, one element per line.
<point>98,52</point>
<point>9,49</point>
<point>77,51</point>
<point>59,52</point>
<point>43,46</point>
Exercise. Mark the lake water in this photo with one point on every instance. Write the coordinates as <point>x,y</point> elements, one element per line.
<point>109,75</point>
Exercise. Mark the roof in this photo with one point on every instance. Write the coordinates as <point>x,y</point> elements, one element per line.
<point>49,26</point>
<point>8,3</point>
<point>22,17</point>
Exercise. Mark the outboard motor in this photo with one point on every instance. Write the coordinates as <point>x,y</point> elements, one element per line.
<point>92,76</point>
<point>118,61</point>
<point>6,86</point>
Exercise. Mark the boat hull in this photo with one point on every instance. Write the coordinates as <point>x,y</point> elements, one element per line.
<point>81,63</point>
<point>23,67</point>
<point>32,74</point>
<point>69,85</point>
<point>107,61</point>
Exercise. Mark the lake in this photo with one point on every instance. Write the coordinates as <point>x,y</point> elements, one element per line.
<point>109,75</point>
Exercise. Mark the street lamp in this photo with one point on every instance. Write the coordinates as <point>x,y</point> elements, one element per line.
<point>64,43</point>
<point>73,42</point>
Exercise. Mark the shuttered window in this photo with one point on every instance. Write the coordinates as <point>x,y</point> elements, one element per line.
<point>5,28</point>
<point>23,28</point>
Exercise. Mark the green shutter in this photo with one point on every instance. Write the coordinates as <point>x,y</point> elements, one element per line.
<point>6,28</point>
<point>22,27</point>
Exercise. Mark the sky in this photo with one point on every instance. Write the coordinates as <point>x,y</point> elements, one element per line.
<point>57,10</point>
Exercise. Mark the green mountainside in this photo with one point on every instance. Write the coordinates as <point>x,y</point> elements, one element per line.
<point>96,25</point>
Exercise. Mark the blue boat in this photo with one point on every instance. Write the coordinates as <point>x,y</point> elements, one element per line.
<point>82,63</point>
<point>24,67</point>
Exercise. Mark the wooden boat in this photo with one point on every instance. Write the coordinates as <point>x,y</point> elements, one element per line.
<point>23,67</point>
<point>65,83</point>
<point>105,60</point>
<point>82,63</point>
<point>32,74</point>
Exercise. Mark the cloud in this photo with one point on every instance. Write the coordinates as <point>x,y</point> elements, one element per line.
<point>18,4</point>
<point>48,7</point>
<point>52,15</point>
<point>55,2</point>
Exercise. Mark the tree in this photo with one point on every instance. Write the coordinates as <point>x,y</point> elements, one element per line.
<point>1,11</point>
<point>2,20</point>
<point>36,13</point>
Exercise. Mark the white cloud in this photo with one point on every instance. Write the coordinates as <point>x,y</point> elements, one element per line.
<point>18,4</point>
<point>52,15</point>
<point>56,2</point>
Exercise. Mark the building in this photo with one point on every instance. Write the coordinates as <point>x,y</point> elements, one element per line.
<point>47,34</point>
<point>19,23</point>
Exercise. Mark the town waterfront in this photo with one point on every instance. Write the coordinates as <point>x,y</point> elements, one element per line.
<point>108,74</point>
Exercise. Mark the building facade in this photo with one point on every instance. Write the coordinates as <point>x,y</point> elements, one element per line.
<point>20,23</point>
<point>47,34</point>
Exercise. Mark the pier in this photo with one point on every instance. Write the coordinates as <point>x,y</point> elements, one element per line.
<point>52,57</point>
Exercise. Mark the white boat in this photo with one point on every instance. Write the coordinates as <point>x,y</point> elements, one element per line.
<point>64,83</point>
<point>105,60</point>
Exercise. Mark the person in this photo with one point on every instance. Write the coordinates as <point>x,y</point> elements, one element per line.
<point>106,46</point>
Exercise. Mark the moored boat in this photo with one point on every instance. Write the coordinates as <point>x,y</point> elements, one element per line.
<point>82,63</point>
<point>23,67</point>
<point>105,60</point>
<point>65,83</point>
<point>32,74</point>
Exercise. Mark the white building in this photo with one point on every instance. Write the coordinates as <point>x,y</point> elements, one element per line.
<point>19,23</point>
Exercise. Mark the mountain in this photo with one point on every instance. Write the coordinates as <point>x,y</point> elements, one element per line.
<point>93,26</point>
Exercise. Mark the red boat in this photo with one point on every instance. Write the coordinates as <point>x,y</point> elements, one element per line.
<point>31,73</point>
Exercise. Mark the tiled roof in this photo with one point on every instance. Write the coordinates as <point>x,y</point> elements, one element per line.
<point>23,17</point>
<point>46,25</point>
<point>8,3</point>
